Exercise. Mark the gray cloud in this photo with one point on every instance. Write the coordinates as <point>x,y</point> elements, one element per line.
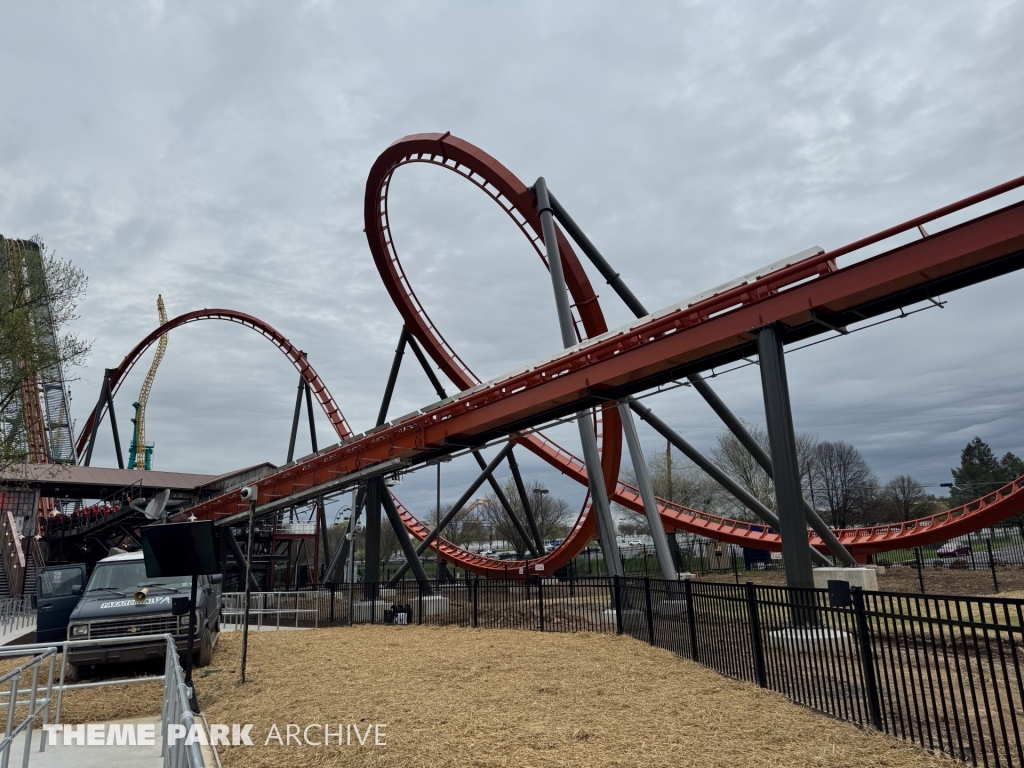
<point>217,154</point>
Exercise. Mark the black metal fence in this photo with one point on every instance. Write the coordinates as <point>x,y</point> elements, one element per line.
<point>942,671</point>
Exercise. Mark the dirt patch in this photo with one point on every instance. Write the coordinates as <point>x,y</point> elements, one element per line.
<point>937,581</point>
<point>465,697</point>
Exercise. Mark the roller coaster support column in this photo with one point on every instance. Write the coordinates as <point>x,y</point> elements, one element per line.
<point>696,380</point>
<point>243,565</point>
<point>348,542</point>
<point>456,508</point>
<point>588,437</point>
<point>716,473</point>
<point>537,550</point>
<point>374,488</point>
<point>521,490</point>
<point>303,387</point>
<point>106,398</point>
<point>788,489</point>
<point>321,519</point>
<point>668,569</point>
<point>411,558</point>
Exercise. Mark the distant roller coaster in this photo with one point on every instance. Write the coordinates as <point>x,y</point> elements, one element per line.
<point>600,371</point>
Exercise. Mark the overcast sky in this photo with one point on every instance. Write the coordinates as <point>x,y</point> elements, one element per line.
<point>217,153</point>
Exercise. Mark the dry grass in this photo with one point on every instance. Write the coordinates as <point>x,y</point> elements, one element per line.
<point>94,705</point>
<point>464,697</point>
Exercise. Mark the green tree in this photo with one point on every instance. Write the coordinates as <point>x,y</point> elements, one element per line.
<point>38,297</point>
<point>980,472</point>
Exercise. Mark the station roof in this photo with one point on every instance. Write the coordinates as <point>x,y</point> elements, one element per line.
<point>62,481</point>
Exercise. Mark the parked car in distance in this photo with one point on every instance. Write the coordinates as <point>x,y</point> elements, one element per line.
<point>954,549</point>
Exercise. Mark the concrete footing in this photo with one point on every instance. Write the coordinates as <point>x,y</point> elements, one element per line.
<point>810,639</point>
<point>866,577</point>
<point>627,614</point>
<point>432,605</point>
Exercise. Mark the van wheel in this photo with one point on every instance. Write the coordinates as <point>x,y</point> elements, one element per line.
<point>205,655</point>
<point>73,674</point>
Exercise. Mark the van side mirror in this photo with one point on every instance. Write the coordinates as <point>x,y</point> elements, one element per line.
<point>216,578</point>
<point>76,590</point>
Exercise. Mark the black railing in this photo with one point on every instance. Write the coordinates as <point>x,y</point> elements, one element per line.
<point>942,671</point>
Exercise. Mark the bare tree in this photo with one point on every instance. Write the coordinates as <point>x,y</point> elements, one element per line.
<point>843,485</point>
<point>551,514</point>
<point>736,460</point>
<point>466,527</point>
<point>903,498</point>
<point>679,481</point>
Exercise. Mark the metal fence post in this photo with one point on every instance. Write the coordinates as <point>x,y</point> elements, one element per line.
<point>650,611</point>
<point>476,584</point>
<point>691,619</point>
<point>332,602</point>
<point>992,564</point>
<point>755,636</point>
<point>920,572</point>
<point>540,602</point>
<point>867,658</point>
<point>617,587</point>
<point>419,612</point>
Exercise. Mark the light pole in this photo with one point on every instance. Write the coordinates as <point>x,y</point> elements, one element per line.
<point>249,493</point>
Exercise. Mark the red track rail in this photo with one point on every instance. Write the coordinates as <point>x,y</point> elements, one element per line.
<point>605,360</point>
<point>290,351</point>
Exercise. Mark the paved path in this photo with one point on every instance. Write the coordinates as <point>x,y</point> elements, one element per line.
<point>128,756</point>
<point>59,756</point>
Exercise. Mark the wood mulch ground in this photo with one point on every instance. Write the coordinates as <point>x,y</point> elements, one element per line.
<point>485,697</point>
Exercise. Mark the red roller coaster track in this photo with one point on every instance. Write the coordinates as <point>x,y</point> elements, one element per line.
<point>808,297</point>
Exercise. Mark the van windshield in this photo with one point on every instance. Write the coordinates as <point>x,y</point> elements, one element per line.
<point>128,576</point>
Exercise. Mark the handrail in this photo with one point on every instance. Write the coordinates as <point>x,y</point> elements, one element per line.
<point>14,557</point>
<point>175,706</point>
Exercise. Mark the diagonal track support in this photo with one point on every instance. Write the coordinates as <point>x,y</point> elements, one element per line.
<point>456,508</point>
<point>585,421</point>
<point>697,381</point>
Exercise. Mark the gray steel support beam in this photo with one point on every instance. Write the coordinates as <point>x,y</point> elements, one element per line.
<point>788,488</point>
<point>588,437</point>
<point>841,553</point>
<point>521,490</point>
<point>106,398</point>
<point>312,422</point>
<point>374,486</point>
<point>668,569</point>
<point>696,380</point>
<point>236,552</point>
<point>347,544</point>
<point>715,472</point>
<point>321,514</point>
<point>426,367</point>
<point>295,417</point>
<point>456,508</point>
<point>503,500</point>
<point>389,389</point>
<point>411,558</point>
<point>599,261</point>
